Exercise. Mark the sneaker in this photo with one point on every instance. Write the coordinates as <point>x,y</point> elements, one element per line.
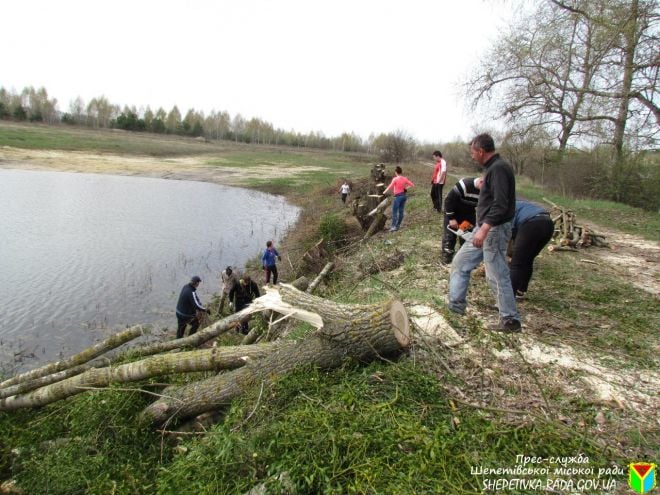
<point>506,326</point>
<point>520,295</point>
<point>393,229</point>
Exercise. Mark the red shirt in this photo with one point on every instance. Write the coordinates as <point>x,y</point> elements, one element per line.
<point>398,184</point>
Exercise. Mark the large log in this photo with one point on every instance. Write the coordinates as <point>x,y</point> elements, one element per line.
<point>80,358</point>
<point>214,359</point>
<point>362,332</point>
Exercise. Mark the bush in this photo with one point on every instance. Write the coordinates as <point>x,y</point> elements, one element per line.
<point>333,229</point>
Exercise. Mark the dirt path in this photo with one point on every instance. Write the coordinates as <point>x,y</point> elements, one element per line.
<point>633,258</point>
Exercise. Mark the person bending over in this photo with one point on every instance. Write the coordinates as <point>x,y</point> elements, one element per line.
<point>188,306</point>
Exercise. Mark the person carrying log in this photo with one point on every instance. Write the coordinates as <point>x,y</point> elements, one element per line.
<point>532,230</point>
<point>241,295</point>
<point>460,207</point>
<point>188,306</point>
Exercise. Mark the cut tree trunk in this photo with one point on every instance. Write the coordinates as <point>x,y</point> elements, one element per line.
<point>214,359</point>
<point>324,273</point>
<point>362,332</point>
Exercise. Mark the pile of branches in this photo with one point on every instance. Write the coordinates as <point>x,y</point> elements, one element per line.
<point>569,235</point>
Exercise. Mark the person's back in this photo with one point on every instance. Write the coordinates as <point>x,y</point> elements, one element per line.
<point>186,304</point>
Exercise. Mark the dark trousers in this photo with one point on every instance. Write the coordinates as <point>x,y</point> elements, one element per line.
<point>271,269</point>
<point>183,322</point>
<point>436,196</point>
<point>343,197</point>
<point>530,239</point>
<point>244,327</point>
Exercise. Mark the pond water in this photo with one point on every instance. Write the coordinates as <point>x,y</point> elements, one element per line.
<point>83,255</point>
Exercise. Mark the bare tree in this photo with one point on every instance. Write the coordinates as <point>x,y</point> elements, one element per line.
<point>581,70</point>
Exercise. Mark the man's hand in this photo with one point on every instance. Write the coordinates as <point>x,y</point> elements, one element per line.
<point>453,223</point>
<point>480,236</point>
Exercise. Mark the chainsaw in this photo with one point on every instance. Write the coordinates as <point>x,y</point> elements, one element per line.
<point>464,230</point>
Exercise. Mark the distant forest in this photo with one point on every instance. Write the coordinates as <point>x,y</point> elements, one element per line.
<point>35,105</point>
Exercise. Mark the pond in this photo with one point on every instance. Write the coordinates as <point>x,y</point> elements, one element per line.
<point>85,255</point>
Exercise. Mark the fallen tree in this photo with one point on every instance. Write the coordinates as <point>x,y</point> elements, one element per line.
<point>213,359</point>
<point>80,358</point>
<point>361,332</point>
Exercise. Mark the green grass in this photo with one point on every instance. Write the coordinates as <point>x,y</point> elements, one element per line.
<point>609,214</point>
<point>379,429</point>
<point>42,137</point>
<point>595,310</point>
<point>92,443</point>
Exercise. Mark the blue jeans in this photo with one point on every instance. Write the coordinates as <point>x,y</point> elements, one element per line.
<point>493,255</point>
<point>397,210</point>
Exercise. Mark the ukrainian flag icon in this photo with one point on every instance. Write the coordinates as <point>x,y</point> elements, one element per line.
<point>641,476</point>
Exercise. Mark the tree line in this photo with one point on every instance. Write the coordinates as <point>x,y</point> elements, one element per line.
<point>35,105</point>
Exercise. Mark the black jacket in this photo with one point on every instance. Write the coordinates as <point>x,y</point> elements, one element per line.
<point>189,302</point>
<point>497,199</point>
<point>242,295</point>
<point>461,201</point>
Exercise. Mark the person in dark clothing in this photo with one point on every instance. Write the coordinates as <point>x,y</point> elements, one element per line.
<point>532,230</point>
<point>241,295</point>
<point>460,206</point>
<point>188,306</point>
<point>495,211</point>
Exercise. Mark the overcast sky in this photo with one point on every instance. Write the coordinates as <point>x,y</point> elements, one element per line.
<point>333,66</point>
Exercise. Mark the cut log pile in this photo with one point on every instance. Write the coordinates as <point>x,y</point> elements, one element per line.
<point>361,332</point>
<point>569,235</point>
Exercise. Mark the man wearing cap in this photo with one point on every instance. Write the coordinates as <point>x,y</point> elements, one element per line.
<point>187,307</point>
<point>228,279</point>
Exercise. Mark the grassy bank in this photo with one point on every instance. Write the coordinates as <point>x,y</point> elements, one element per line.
<point>432,421</point>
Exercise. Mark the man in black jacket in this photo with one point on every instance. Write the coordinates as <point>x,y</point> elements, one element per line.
<point>460,206</point>
<point>188,306</point>
<point>495,211</point>
<point>242,294</point>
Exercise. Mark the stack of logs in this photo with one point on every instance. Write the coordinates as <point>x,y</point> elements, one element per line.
<point>568,235</point>
<point>368,208</point>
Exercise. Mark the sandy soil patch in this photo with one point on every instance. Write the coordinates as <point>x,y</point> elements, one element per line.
<point>634,259</point>
<point>631,389</point>
<point>180,168</point>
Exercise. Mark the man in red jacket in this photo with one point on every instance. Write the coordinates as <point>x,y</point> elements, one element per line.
<point>438,180</point>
